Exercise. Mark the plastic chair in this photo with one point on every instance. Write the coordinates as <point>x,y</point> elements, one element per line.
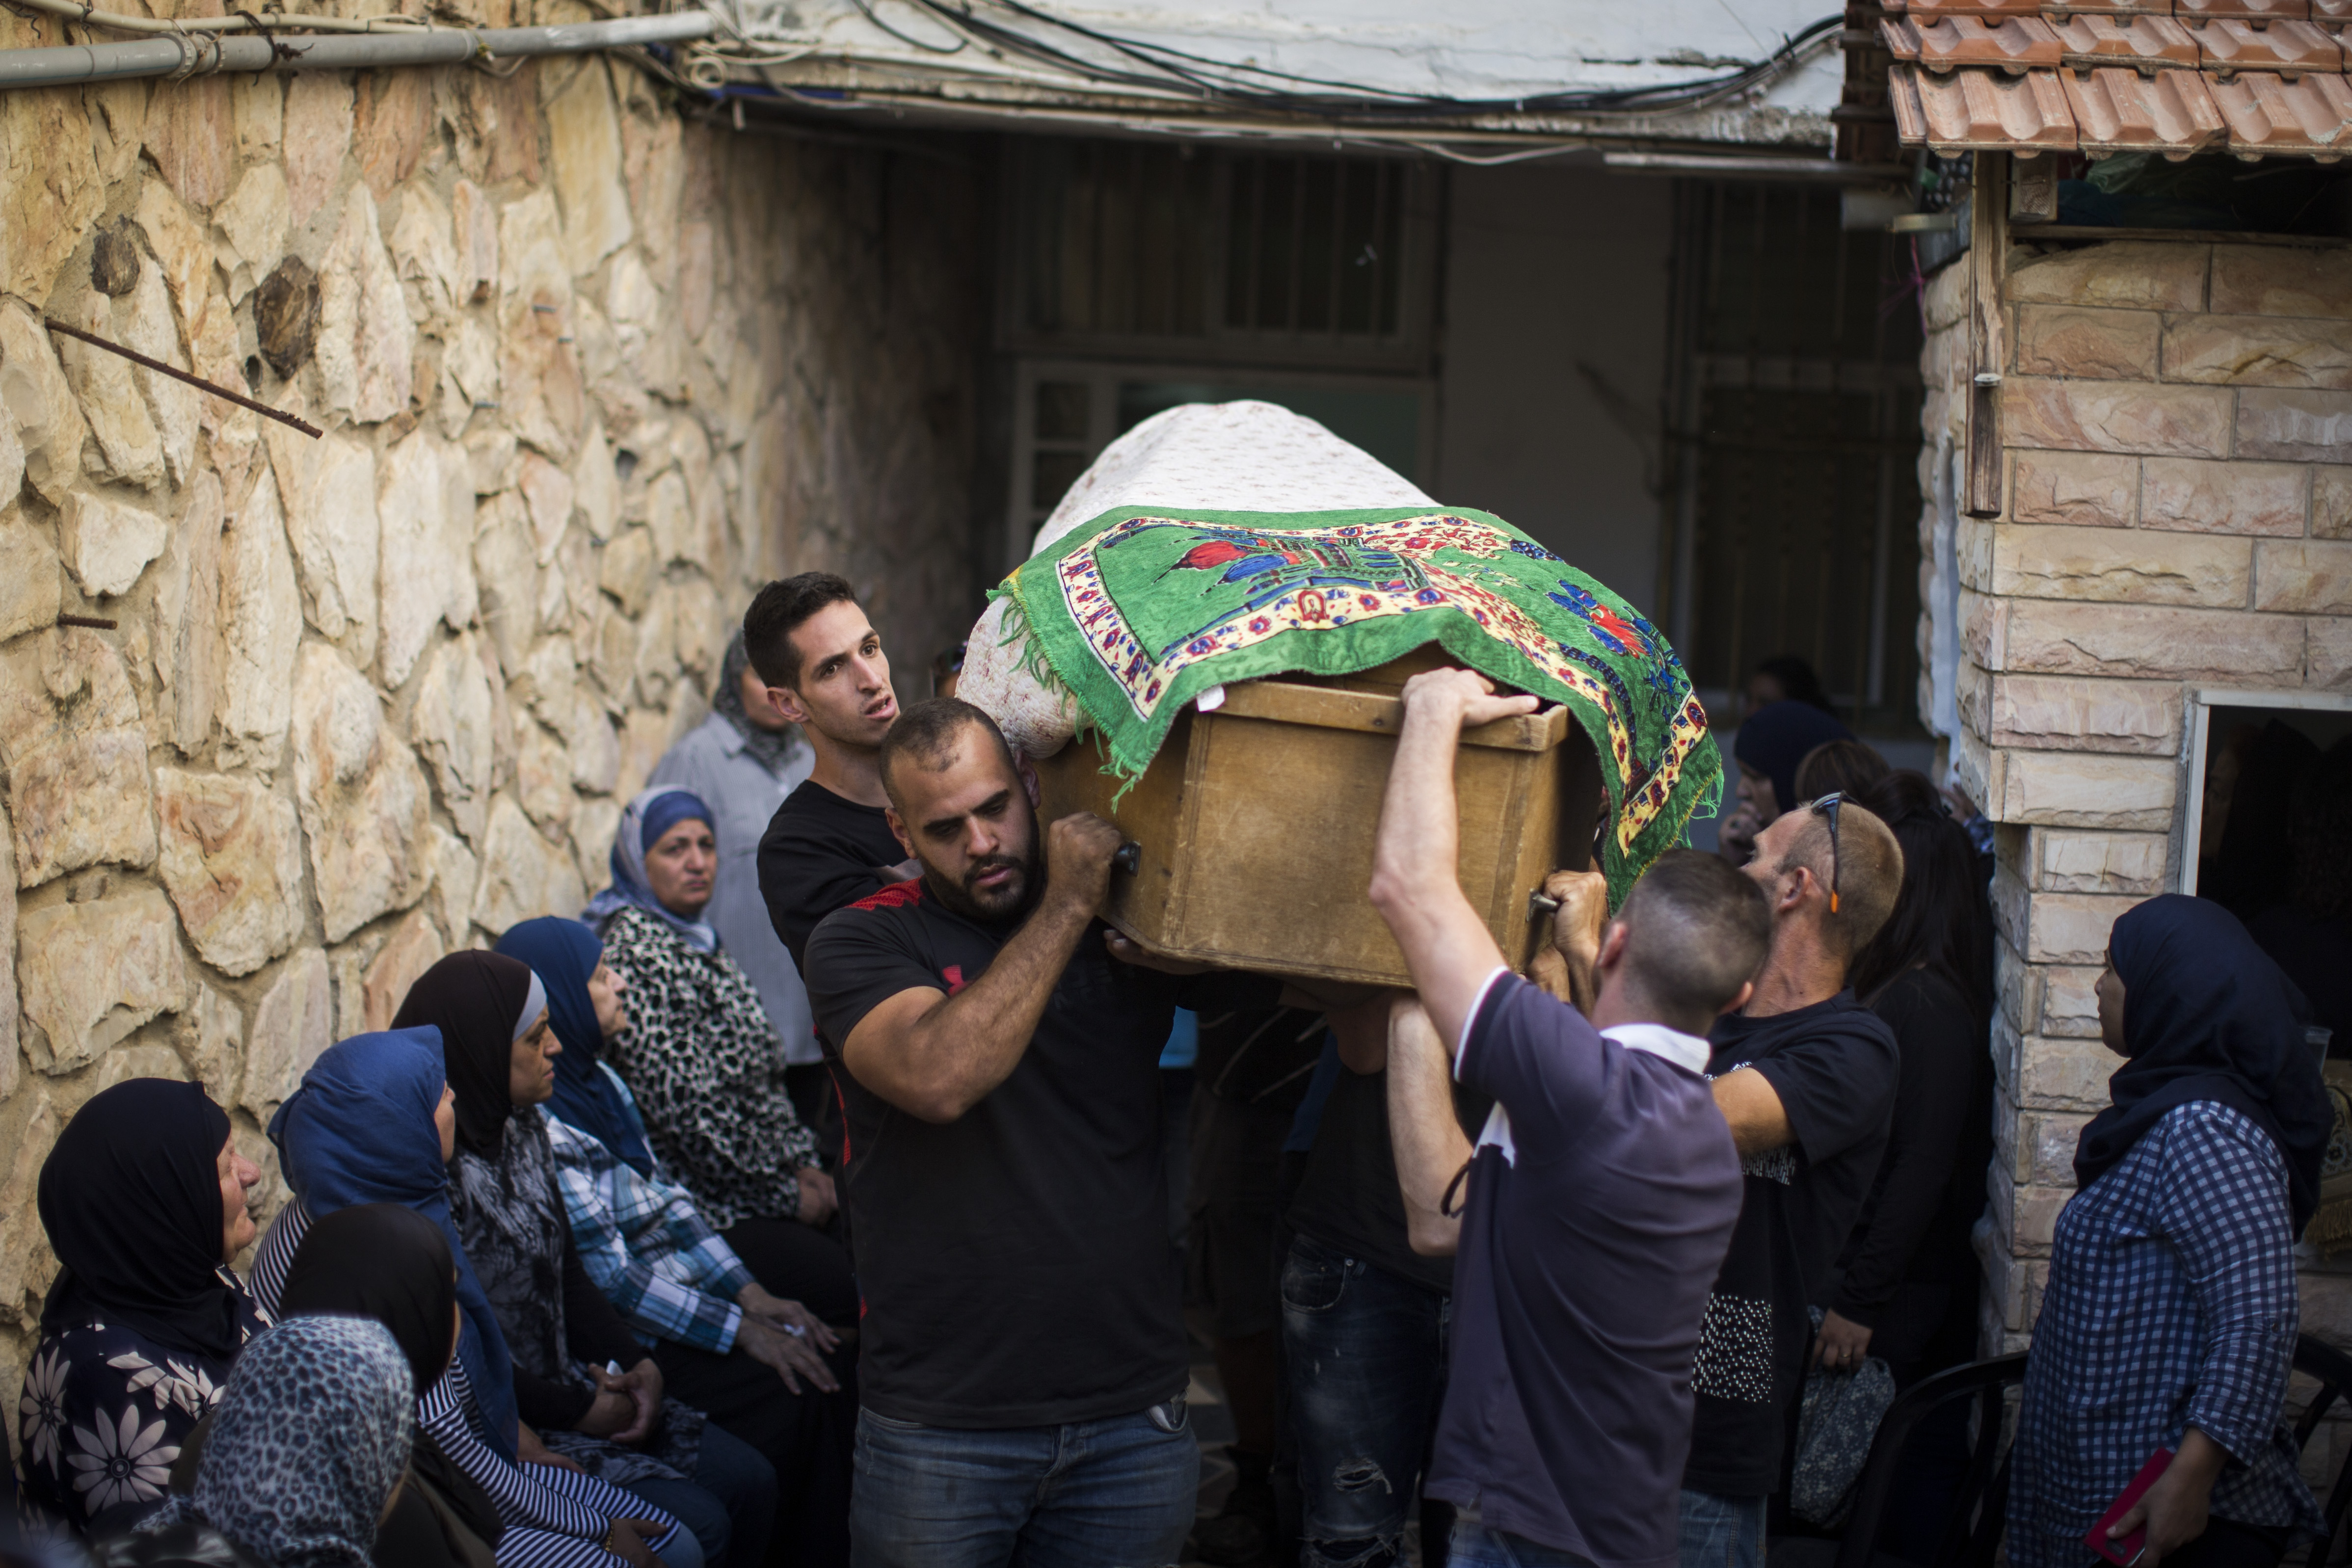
<point>1972,1530</point>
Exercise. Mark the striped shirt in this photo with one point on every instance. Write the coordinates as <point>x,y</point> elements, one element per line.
<point>648,1247</point>
<point>553,1518</point>
<point>2172,1303</point>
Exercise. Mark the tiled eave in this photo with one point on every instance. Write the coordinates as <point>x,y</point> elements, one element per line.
<point>2259,79</point>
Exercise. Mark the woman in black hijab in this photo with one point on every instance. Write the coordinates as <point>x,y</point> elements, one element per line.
<point>143,1197</point>
<point>382,1261</point>
<point>563,1334</point>
<point>2170,1315</point>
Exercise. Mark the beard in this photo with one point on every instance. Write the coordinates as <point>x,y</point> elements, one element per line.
<point>995,907</point>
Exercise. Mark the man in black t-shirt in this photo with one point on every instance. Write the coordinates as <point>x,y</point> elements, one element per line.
<point>829,843</point>
<point>1023,1362</point>
<point>1805,1075</point>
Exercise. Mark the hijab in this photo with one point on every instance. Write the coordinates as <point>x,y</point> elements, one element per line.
<point>482,1003</point>
<point>389,1264</point>
<point>771,748</point>
<point>1776,740</point>
<point>360,1130</point>
<point>312,1435</point>
<point>130,1198</point>
<point>563,954</point>
<point>649,816</point>
<point>2207,1016</point>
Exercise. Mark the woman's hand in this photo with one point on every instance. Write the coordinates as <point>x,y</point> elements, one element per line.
<point>1841,1344</point>
<point>788,1315</point>
<point>2173,1511</point>
<point>628,1538</point>
<point>789,1353</point>
<point>612,1413</point>
<point>530,1450</point>
<point>818,1201</point>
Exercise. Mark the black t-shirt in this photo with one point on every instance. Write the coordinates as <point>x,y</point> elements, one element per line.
<point>820,852</point>
<point>1348,1197</point>
<point>1014,1261</point>
<point>1833,1066</point>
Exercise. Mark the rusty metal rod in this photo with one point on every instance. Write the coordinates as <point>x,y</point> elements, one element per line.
<point>136,357</point>
<point>95,622</point>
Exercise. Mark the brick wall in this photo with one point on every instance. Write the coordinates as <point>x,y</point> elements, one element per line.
<point>589,374</point>
<point>2178,427</point>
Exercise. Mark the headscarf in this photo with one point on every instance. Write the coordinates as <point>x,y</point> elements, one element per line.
<point>2207,1016</point>
<point>1778,736</point>
<point>380,1261</point>
<point>360,1130</point>
<point>563,954</point>
<point>649,816</point>
<point>312,1435</point>
<point>130,1198</point>
<point>772,747</point>
<point>482,1003</point>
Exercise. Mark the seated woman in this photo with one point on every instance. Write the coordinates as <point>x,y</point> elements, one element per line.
<point>491,1013</point>
<point>143,1198</point>
<point>678,1282</point>
<point>380,1261</point>
<point>303,1460</point>
<point>2170,1319</point>
<point>374,1121</point>
<point>699,1054</point>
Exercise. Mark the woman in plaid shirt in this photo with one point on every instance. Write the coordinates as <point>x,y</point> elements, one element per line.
<point>2171,1316</point>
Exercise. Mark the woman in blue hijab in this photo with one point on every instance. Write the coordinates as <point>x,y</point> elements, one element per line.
<point>569,960</point>
<point>2170,1315</point>
<point>360,1129</point>
<point>374,1121</point>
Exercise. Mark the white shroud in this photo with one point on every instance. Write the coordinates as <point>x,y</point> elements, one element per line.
<point>1226,456</point>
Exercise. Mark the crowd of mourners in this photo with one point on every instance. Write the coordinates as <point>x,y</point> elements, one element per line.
<point>839,1187</point>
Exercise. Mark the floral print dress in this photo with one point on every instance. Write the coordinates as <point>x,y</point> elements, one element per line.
<point>105,1410</point>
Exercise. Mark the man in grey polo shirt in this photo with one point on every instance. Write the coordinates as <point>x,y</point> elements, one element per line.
<point>1601,1194</point>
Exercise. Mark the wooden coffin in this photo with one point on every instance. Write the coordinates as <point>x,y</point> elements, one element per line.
<point>1255,823</point>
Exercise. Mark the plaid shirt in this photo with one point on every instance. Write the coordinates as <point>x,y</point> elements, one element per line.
<point>647,1246</point>
<point>2172,1303</point>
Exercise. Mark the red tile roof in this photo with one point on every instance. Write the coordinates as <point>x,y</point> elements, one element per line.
<point>2256,77</point>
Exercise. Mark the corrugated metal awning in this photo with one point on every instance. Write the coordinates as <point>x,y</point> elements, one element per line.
<point>1480,79</point>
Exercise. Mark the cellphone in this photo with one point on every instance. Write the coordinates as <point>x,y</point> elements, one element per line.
<point>2127,1550</point>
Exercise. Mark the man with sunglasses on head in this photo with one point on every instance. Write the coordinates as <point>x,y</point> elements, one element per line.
<point>1805,1075</point>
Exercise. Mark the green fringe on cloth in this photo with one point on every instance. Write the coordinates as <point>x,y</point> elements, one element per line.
<point>1139,611</point>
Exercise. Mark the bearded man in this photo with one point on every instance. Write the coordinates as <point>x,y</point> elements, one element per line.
<point>1023,1365</point>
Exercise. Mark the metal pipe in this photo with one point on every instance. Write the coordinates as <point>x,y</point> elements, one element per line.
<point>191,55</point>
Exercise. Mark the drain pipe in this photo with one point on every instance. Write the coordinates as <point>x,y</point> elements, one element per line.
<point>203,53</point>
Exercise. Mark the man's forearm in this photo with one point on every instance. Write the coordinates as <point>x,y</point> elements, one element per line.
<point>1428,1142</point>
<point>948,1058</point>
<point>1448,949</point>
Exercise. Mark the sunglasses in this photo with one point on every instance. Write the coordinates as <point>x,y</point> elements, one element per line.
<point>1827,806</point>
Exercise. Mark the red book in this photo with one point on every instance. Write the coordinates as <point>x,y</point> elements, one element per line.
<point>2128,1549</point>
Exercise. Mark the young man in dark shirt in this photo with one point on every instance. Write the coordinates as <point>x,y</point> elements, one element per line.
<point>829,843</point>
<point>1806,1076</point>
<point>1023,1363</point>
<point>1603,1189</point>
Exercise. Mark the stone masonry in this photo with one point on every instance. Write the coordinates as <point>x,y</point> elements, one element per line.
<point>589,374</point>
<point>2177,421</point>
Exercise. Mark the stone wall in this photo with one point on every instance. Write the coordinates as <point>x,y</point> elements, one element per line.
<point>589,374</point>
<point>2178,427</point>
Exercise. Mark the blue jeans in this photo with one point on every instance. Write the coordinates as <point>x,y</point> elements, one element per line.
<point>728,1507</point>
<point>1475,1546</point>
<point>1367,1359</point>
<point>1722,1532</point>
<point>1118,1493</point>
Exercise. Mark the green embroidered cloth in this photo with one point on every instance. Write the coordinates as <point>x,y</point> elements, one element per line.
<point>1139,611</point>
